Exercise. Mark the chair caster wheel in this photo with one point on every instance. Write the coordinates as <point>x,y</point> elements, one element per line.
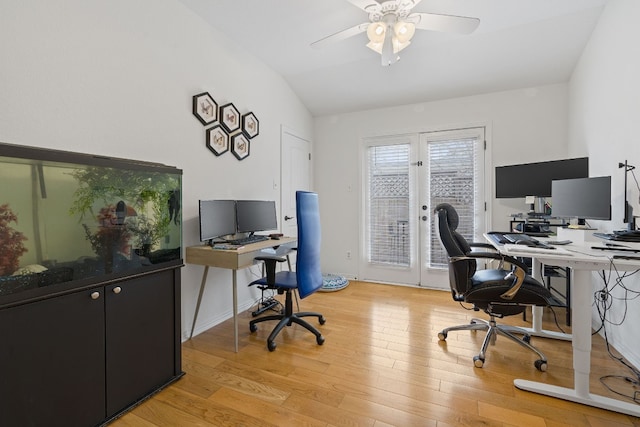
<point>442,336</point>
<point>271,345</point>
<point>322,321</point>
<point>541,365</point>
<point>526,338</point>
<point>478,362</point>
<point>320,340</point>
<point>252,327</point>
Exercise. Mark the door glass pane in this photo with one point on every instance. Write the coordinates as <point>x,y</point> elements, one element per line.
<point>388,205</point>
<point>453,179</point>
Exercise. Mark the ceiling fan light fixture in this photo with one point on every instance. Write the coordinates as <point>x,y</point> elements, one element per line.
<point>398,45</point>
<point>404,31</point>
<point>376,32</point>
<point>376,47</point>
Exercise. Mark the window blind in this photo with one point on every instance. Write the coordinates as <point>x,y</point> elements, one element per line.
<point>388,198</point>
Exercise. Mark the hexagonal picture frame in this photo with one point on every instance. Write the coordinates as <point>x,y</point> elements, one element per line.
<point>240,146</point>
<point>205,108</point>
<point>217,140</point>
<point>250,125</point>
<point>230,117</point>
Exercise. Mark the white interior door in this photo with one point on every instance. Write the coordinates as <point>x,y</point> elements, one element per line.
<point>295,175</point>
<point>452,171</point>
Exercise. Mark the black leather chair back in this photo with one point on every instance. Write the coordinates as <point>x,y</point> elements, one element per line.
<point>460,270</point>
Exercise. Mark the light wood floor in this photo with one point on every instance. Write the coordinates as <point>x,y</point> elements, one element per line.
<point>381,365</point>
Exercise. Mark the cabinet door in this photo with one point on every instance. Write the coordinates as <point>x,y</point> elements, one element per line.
<point>52,362</point>
<point>140,338</point>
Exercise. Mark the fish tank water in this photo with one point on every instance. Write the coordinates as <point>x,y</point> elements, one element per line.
<point>69,220</point>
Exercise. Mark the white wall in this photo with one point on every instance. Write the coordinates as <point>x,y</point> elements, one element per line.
<point>604,106</point>
<point>116,78</point>
<point>523,126</point>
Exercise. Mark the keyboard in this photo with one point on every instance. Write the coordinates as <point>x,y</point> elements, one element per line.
<point>515,237</point>
<point>622,236</point>
<point>255,238</point>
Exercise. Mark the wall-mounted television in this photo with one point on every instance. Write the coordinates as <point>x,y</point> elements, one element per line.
<point>582,198</point>
<point>534,179</point>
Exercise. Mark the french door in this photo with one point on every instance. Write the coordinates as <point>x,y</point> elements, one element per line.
<point>406,176</point>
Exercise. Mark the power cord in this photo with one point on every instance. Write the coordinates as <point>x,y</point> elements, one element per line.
<point>604,301</point>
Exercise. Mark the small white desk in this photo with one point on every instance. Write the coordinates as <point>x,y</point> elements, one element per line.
<point>233,260</point>
<point>582,260</point>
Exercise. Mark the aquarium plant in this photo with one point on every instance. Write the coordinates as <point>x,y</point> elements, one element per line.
<point>142,191</point>
<point>11,246</point>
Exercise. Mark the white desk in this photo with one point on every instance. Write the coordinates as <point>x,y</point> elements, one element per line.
<point>233,260</point>
<point>582,260</point>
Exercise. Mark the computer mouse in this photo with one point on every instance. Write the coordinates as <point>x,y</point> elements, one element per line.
<point>525,242</point>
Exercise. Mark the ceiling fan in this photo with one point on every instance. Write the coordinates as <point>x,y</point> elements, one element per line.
<point>392,25</point>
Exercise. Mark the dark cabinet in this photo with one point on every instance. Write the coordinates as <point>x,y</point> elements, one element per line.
<point>80,359</point>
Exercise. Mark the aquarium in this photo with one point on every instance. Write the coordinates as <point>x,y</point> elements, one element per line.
<point>70,219</point>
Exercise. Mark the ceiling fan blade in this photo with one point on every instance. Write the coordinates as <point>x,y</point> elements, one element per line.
<point>366,5</point>
<point>444,23</point>
<point>340,35</point>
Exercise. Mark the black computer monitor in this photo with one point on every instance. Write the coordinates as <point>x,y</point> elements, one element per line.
<point>582,198</point>
<point>217,218</point>
<point>255,215</point>
<point>534,179</point>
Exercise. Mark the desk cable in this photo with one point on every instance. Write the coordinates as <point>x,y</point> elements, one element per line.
<point>603,301</point>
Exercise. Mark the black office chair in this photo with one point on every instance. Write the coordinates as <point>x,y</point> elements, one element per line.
<point>306,279</point>
<point>498,292</point>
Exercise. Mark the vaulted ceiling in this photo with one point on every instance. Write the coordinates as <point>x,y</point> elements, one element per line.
<point>518,44</point>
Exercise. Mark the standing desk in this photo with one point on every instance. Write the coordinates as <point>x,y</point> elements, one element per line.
<point>232,259</point>
<point>582,261</point>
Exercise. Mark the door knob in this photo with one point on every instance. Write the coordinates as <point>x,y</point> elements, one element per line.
<point>287,218</point>
<point>117,290</point>
<point>95,295</point>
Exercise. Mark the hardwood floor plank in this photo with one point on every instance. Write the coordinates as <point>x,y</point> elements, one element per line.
<point>381,365</point>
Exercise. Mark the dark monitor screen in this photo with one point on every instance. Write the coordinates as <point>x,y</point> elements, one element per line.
<point>256,215</point>
<point>534,179</point>
<point>217,218</point>
<point>583,198</point>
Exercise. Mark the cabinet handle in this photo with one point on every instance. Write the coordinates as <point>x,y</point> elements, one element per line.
<point>95,295</point>
<point>117,290</point>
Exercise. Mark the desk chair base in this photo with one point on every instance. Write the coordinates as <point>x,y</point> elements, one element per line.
<point>493,330</point>
<point>287,319</point>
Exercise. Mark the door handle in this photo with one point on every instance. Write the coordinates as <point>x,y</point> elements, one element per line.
<point>287,218</point>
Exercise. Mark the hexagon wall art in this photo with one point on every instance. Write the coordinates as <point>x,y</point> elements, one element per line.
<point>217,140</point>
<point>230,117</point>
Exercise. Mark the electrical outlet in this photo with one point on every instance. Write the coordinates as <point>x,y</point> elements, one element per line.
<point>348,254</point>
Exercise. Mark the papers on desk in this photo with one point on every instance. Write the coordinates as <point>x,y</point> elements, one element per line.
<point>519,250</point>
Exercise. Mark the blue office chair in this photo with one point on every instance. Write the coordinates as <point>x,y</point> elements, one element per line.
<point>306,279</point>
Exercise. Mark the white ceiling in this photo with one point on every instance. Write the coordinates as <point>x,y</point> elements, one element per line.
<point>519,44</point>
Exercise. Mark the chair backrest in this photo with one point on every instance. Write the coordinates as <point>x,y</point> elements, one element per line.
<point>461,270</point>
<point>308,272</point>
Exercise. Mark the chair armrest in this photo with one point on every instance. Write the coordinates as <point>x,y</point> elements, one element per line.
<point>483,246</point>
<point>519,272</point>
<point>270,266</point>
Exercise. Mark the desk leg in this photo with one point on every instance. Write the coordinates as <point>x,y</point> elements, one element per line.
<point>536,322</point>
<point>195,315</point>
<point>581,326</point>
<point>234,274</point>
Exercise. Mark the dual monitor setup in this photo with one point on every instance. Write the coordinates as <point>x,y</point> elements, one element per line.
<point>574,194</point>
<point>221,220</point>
